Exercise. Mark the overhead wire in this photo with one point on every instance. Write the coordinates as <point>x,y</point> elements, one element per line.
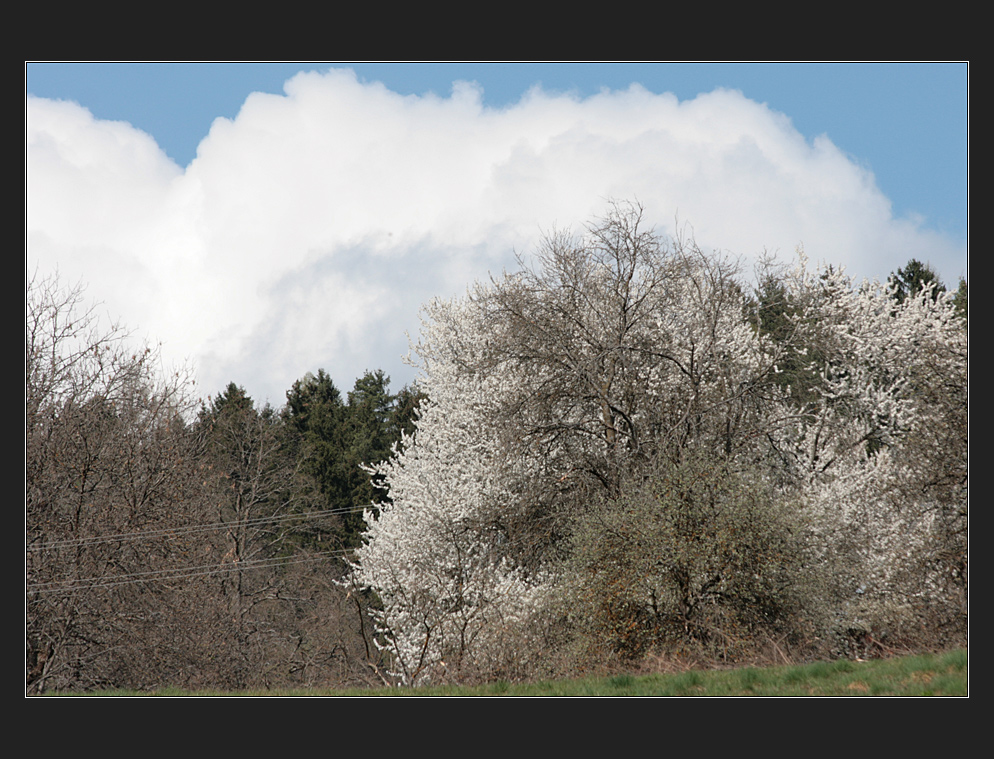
<point>161,575</point>
<point>189,530</point>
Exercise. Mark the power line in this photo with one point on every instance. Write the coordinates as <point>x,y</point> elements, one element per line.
<point>177,531</point>
<point>162,575</point>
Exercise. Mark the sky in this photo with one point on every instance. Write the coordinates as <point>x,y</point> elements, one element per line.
<point>262,220</point>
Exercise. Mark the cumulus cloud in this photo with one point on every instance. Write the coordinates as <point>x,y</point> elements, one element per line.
<point>309,228</point>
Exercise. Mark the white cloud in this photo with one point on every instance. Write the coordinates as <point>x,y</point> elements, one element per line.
<point>308,229</point>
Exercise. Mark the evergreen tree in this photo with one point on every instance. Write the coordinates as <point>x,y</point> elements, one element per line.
<point>344,439</point>
<point>315,410</point>
<point>913,278</point>
<point>407,404</point>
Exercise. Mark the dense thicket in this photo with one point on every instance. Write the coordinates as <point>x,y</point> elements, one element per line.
<point>627,450</point>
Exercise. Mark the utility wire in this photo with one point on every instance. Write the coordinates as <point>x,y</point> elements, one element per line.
<point>177,531</point>
<point>162,575</point>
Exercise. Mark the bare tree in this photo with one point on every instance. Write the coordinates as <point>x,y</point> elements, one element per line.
<point>110,483</point>
<point>163,549</point>
<point>260,499</point>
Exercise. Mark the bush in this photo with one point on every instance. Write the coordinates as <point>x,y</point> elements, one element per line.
<point>693,553</point>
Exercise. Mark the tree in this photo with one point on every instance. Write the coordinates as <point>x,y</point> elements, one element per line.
<point>442,594</point>
<point>368,438</point>
<point>315,410</point>
<point>962,298</point>
<point>253,474</point>
<point>341,440</point>
<point>110,482</point>
<point>405,413</point>
<point>692,554</point>
<point>553,386</point>
<point>889,380</point>
<point>776,315</point>
<point>583,389</point>
<point>344,438</point>
<point>913,278</point>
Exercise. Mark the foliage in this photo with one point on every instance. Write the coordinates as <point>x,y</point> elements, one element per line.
<point>690,552</point>
<point>962,299</point>
<point>445,592</point>
<point>619,451</point>
<point>342,438</point>
<point>914,277</point>
<point>610,426</point>
<point>888,495</point>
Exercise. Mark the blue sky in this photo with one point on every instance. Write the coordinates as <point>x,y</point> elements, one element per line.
<point>429,186</point>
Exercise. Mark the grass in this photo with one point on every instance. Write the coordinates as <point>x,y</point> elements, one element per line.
<point>945,674</point>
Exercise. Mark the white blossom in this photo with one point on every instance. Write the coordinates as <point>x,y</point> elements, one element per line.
<point>547,383</point>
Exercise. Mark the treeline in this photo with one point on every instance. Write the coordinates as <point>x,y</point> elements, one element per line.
<point>171,543</point>
<point>623,449</point>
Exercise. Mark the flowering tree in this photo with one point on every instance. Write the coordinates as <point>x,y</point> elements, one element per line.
<point>432,554</point>
<point>608,425</point>
<point>884,444</point>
